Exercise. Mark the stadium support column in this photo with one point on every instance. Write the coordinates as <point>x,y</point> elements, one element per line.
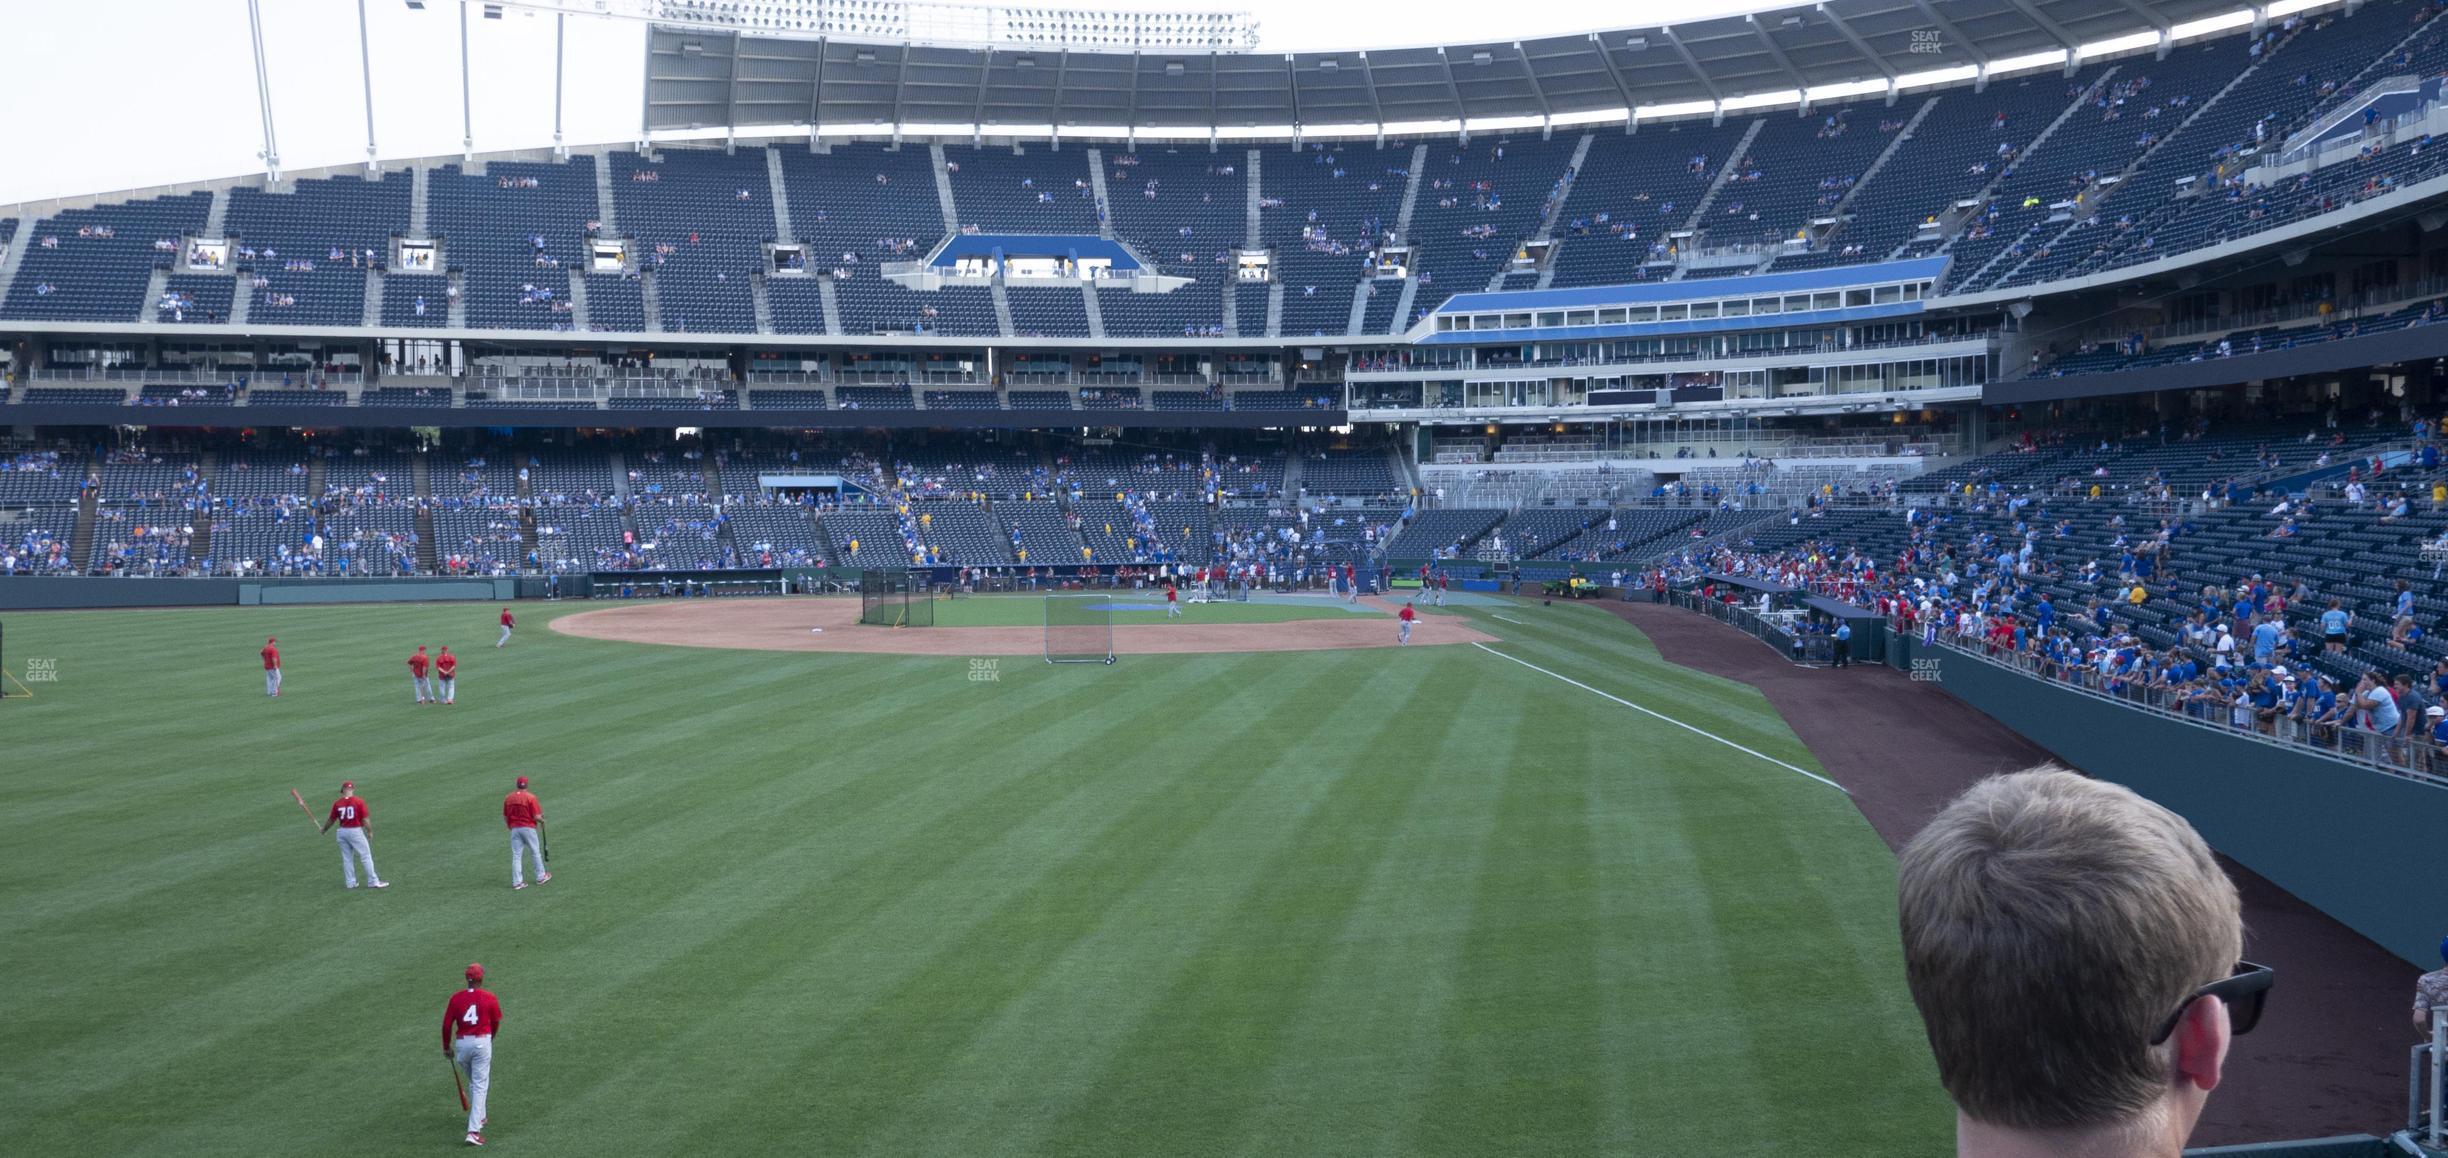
<point>365,73</point>
<point>263,92</point>
<point>467,108</point>
<point>560,151</point>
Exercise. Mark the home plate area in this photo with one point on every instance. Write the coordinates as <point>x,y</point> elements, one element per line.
<point>830,623</point>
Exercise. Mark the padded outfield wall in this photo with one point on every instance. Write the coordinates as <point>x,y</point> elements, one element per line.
<point>2360,845</point>
<point>62,593</point>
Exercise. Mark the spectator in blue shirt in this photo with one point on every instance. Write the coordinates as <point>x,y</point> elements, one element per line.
<point>2265,637</point>
<point>2333,627</point>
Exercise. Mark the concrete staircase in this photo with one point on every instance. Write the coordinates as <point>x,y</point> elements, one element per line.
<point>81,540</point>
<point>1411,188</point>
<point>1251,229</point>
<point>943,197</point>
<point>2145,155</point>
<point>457,299</point>
<point>606,204</point>
<point>154,288</point>
<point>428,560</point>
<point>1725,173</point>
<point>1989,189</point>
<point>215,218</point>
<point>577,301</point>
<point>373,297</point>
<point>1275,295</point>
<point>419,182</point>
<point>242,299</point>
<point>1232,308</point>
<point>1895,144</point>
<point>1410,292</point>
<point>781,196</point>
<point>1096,312</point>
<point>1096,185</point>
<point>26,239</point>
<point>654,302</point>
<point>1361,294</point>
<point>1002,305</point>
<point>1555,207</point>
<point>763,304</point>
<point>830,298</point>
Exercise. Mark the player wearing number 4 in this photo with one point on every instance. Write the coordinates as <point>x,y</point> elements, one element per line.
<point>349,812</point>
<point>468,1025</point>
<point>524,814</point>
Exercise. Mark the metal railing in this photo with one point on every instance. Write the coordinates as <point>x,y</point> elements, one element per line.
<point>2408,753</point>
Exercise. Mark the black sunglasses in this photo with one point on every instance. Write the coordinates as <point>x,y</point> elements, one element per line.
<point>2245,991</point>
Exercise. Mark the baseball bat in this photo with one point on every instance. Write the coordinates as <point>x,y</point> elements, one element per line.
<point>293,795</point>
<point>544,840</point>
<point>456,1084</point>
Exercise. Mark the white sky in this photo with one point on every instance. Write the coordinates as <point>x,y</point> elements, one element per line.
<point>105,95</point>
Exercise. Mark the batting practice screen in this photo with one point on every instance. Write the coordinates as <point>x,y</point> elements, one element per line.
<point>893,597</point>
<point>1079,629</point>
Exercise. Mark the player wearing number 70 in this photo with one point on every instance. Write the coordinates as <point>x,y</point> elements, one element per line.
<point>468,1025</point>
<point>349,812</point>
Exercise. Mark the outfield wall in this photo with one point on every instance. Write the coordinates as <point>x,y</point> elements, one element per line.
<point>59,593</point>
<point>2360,845</point>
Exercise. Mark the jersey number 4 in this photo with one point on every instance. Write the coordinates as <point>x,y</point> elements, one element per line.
<point>468,1017</point>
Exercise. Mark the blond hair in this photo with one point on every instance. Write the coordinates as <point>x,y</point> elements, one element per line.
<point>2051,922</point>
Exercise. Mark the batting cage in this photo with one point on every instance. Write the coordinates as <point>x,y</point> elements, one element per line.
<point>893,597</point>
<point>1079,629</point>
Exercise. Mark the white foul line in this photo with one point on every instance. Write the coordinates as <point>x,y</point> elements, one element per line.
<point>1662,716</point>
<point>1507,619</point>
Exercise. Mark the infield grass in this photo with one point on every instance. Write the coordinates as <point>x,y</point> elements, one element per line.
<point>1399,901</point>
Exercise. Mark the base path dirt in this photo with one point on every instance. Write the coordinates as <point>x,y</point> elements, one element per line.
<point>2329,1056</point>
<point>831,624</point>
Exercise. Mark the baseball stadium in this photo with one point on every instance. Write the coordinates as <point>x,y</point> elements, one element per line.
<point>1845,578</point>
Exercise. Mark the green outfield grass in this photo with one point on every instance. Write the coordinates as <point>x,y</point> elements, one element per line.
<point>1030,610</point>
<point>1400,902</point>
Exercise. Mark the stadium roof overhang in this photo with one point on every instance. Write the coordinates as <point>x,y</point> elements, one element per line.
<point>700,79</point>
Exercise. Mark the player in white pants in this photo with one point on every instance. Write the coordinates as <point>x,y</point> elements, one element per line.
<point>349,814</point>
<point>469,1022</point>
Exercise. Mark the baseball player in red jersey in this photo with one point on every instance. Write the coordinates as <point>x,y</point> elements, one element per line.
<point>446,668</point>
<point>1172,601</point>
<point>468,1025</point>
<point>271,658</point>
<point>1444,583</point>
<point>523,812</point>
<point>349,812</point>
<point>1408,617</point>
<point>416,673</point>
<point>1351,583</point>
<point>506,626</point>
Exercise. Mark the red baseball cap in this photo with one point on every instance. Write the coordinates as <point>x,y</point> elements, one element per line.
<point>522,782</point>
<point>348,786</point>
<point>475,972</point>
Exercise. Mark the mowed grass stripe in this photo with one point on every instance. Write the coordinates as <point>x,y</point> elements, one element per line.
<point>1002,1090</point>
<point>1383,997</point>
<point>808,903</point>
<point>1230,1010</point>
<point>897,909</point>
